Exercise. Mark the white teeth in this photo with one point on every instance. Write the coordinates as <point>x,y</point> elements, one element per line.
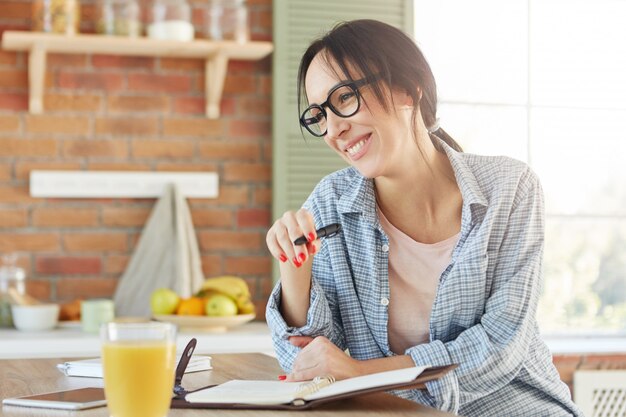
<point>356,147</point>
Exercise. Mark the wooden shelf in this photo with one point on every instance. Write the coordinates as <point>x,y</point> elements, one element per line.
<point>215,54</point>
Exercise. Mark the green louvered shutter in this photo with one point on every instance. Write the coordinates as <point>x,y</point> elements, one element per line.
<point>299,164</point>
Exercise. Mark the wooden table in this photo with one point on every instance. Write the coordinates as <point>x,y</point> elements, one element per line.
<point>21,377</point>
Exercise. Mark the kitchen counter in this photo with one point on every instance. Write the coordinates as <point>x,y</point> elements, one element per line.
<point>72,342</point>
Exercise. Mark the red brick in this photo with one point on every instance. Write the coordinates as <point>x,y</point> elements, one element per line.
<point>118,166</point>
<point>255,106</point>
<point>15,10</point>
<point>248,265</point>
<point>229,150</point>
<point>57,124</point>
<point>252,3</point>
<point>91,81</point>
<point>189,105</point>
<point>265,85</point>
<point>65,217</point>
<point>116,264</point>
<point>267,152</point>
<point>14,79</point>
<point>85,288</point>
<point>66,60</point>
<point>247,172</point>
<point>211,265</point>
<point>249,129</point>
<point>16,194</point>
<point>161,83</point>
<point>253,218</point>
<point>27,147</point>
<point>121,61</point>
<point>95,148</point>
<point>68,265</point>
<point>182,64</point>
<point>9,123</point>
<point>262,196</point>
<point>603,361</point>
<point>227,240</point>
<point>74,102</point>
<point>14,101</point>
<point>125,216</point>
<point>23,169</point>
<point>95,242</point>
<point>29,242</point>
<point>138,104</point>
<point>186,167</point>
<point>211,217</point>
<point>11,218</point>
<point>40,289</point>
<point>229,195</point>
<point>261,18</point>
<point>201,127</point>
<point>127,126</point>
<point>8,58</point>
<point>238,84</point>
<point>5,172</point>
<point>163,148</point>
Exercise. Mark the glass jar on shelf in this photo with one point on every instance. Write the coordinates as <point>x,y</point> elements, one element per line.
<point>227,20</point>
<point>170,20</point>
<point>56,16</point>
<point>11,279</point>
<point>119,17</point>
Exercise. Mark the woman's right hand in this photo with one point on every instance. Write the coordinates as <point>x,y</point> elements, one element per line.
<point>290,226</point>
<point>295,262</point>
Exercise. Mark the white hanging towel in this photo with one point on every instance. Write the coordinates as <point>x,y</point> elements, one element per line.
<point>166,256</point>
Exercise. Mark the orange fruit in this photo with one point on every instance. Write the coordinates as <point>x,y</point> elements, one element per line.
<point>192,306</point>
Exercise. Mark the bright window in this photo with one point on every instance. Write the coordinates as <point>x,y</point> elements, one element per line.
<point>544,81</point>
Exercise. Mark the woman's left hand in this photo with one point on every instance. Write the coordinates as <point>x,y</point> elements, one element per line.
<point>319,357</point>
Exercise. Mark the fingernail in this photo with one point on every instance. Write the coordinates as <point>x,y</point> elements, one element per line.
<point>313,249</point>
<point>297,263</point>
<point>283,258</point>
<point>311,237</point>
<point>302,257</point>
<point>282,377</point>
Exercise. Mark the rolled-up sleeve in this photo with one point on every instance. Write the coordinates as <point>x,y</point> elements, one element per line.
<point>491,353</point>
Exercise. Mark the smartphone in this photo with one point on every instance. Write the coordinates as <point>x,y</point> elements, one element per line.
<point>75,399</point>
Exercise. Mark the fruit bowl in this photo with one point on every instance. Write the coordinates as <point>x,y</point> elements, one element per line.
<point>205,323</point>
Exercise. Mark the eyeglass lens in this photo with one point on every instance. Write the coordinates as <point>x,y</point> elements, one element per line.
<point>343,101</point>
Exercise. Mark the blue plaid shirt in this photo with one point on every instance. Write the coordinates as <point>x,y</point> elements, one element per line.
<point>483,316</point>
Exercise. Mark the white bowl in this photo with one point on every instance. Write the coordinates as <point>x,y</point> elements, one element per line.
<point>35,317</point>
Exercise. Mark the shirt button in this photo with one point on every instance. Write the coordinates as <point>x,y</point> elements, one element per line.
<point>385,248</point>
<point>384,301</point>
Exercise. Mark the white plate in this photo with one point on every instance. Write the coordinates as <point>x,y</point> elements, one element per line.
<point>206,323</point>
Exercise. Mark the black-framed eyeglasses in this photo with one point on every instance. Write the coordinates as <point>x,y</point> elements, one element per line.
<point>344,100</point>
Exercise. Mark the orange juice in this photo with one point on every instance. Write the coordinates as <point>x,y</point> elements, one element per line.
<point>138,377</point>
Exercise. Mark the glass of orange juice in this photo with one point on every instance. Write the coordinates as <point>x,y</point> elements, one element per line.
<point>138,361</point>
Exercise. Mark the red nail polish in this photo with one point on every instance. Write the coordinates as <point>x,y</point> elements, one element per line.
<point>297,263</point>
<point>313,249</point>
<point>302,257</point>
<point>311,237</point>
<point>283,258</point>
<point>282,377</point>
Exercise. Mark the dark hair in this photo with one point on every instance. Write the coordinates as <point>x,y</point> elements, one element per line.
<point>376,49</point>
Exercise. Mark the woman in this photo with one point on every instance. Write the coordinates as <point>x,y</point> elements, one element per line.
<point>439,260</point>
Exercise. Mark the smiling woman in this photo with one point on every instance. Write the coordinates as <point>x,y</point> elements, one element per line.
<point>439,259</point>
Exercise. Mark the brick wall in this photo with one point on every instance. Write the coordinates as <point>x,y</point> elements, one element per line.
<point>132,113</point>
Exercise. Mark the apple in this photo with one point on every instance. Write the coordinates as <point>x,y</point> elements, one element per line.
<point>164,301</point>
<point>220,305</point>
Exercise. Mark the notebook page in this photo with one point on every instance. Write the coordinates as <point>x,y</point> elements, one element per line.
<point>247,392</point>
<point>368,381</point>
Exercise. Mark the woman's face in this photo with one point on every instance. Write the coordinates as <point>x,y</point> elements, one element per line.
<point>373,141</point>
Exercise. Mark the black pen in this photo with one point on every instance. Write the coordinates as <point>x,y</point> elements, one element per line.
<point>326,231</point>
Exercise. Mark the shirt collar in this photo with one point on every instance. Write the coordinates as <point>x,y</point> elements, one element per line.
<point>360,197</point>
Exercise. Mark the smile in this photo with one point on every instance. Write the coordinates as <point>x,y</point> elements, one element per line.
<point>354,149</point>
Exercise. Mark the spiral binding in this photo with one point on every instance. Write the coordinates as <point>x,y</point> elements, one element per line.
<point>315,385</point>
